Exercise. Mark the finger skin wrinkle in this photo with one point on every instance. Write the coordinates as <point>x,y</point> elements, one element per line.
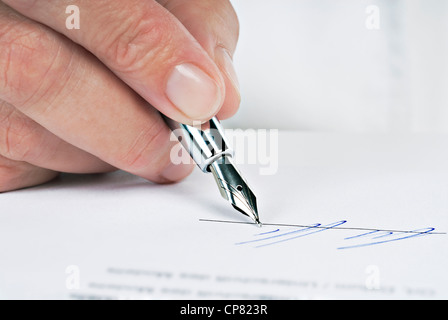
<point>5,60</point>
<point>137,42</point>
<point>217,19</point>
<point>7,38</point>
<point>18,135</point>
<point>137,156</point>
<point>29,56</point>
<point>5,125</point>
<point>58,79</point>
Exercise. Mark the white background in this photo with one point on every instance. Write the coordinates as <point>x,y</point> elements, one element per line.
<point>313,65</point>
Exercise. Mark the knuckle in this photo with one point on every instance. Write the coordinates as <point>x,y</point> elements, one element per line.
<point>137,43</point>
<point>144,151</point>
<point>27,53</point>
<point>16,139</point>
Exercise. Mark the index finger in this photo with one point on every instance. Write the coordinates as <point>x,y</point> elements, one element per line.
<point>146,47</point>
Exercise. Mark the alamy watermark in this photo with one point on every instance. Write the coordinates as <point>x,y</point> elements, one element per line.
<point>250,146</point>
<point>373,20</point>
<point>73,21</point>
<point>373,277</point>
<point>73,280</point>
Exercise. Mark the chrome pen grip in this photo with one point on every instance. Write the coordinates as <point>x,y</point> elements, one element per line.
<point>205,142</point>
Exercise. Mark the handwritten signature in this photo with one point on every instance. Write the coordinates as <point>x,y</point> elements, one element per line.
<point>364,239</point>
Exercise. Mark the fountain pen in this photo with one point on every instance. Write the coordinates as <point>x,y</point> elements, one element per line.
<point>208,147</point>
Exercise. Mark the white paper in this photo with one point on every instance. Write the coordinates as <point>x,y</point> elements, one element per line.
<point>118,236</point>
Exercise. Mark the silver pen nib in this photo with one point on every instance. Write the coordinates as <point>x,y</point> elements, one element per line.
<point>234,188</point>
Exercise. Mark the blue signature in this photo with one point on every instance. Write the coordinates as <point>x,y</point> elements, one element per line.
<point>386,236</point>
<point>364,239</point>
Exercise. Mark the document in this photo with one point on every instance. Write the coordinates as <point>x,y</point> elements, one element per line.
<point>344,217</point>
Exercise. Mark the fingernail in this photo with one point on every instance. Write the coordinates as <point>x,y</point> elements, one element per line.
<point>193,92</point>
<point>227,64</point>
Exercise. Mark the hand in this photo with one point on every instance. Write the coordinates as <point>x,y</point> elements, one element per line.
<point>87,100</point>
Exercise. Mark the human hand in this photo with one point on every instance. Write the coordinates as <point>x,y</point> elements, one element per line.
<point>87,100</point>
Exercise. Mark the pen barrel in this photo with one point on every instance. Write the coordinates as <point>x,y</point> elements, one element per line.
<point>205,142</point>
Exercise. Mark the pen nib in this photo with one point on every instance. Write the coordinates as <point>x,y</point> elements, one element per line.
<point>234,188</point>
